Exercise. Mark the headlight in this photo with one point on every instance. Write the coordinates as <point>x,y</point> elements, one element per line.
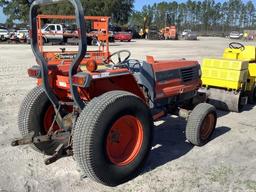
<point>200,72</point>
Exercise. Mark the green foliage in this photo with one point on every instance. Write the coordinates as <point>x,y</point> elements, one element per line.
<point>15,10</point>
<point>204,15</point>
<point>118,10</point>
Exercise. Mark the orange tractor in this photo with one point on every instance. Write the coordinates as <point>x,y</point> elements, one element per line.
<point>170,33</point>
<point>104,117</point>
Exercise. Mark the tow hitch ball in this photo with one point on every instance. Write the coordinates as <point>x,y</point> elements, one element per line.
<point>63,150</point>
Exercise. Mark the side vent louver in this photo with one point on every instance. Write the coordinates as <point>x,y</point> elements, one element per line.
<point>188,74</point>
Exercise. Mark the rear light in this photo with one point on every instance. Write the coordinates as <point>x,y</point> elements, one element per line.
<point>200,72</point>
<point>91,65</point>
<point>81,79</point>
<point>34,72</point>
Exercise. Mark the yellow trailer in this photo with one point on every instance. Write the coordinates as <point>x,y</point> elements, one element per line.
<point>230,81</point>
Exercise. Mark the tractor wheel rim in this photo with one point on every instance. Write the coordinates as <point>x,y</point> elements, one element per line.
<point>124,140</point>
<point>48,120</point>
<point>207,126</point>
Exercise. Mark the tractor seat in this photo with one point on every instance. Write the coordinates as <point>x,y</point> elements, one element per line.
<point>249,54</point>
<point>231,53</point>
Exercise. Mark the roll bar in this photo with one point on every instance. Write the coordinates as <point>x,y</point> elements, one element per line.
<point>80,22</point>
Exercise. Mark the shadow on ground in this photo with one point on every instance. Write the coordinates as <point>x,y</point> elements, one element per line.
<point>170,142</point>
<point>222,113</point>
<point>248,107</point>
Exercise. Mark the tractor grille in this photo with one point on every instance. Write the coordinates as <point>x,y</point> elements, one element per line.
<point>189,74</point>
<point>185,74</point>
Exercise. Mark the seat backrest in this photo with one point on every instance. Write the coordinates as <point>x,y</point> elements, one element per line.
<point>248,54</point>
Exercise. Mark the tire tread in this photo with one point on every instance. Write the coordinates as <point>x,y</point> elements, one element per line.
<point>195,121</point>
<point>85,128</point>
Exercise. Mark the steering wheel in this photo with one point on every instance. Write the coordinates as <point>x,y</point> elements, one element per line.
<point>235,45</point>
<point>120,60</point>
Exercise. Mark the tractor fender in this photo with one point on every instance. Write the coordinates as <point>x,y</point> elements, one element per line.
<point>147,95</point>
<point>146,78</point>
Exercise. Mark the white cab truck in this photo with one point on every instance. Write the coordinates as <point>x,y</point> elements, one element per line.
<point>59,34</point>
<point>53,32</point>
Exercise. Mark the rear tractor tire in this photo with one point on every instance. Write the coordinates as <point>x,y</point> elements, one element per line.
<point>35,117</point>
<point>201,124</point>
<point>112,137</point>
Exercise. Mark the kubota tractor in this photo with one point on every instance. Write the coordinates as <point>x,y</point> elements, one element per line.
<point>230,82</point>
<point>104,117</point>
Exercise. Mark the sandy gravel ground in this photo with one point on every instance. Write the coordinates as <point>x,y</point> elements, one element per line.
<point>226,164</point>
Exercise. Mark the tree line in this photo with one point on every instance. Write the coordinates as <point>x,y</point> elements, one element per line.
<point>205,16</point>
<point>120,11</point>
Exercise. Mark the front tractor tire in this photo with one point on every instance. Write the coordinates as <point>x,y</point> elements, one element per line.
<point>112,137</point>
<point>201,124</point>
<point>35,117</point>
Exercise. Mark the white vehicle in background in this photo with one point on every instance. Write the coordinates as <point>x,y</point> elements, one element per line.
<point>22,35</point>
<point>185,32</point>
<point>191,36</point>
<point>235,35</point>
<point>58,33</point>
<point>53,33</point>
<point>4,34</point>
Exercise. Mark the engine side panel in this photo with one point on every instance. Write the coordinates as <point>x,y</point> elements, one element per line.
<point>179,77</point>
<point>169,81</point>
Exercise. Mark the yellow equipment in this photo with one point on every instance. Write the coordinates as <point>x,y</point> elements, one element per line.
<point>230,81</point>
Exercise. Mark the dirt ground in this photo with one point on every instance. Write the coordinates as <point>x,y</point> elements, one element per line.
<point>226,164</point>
